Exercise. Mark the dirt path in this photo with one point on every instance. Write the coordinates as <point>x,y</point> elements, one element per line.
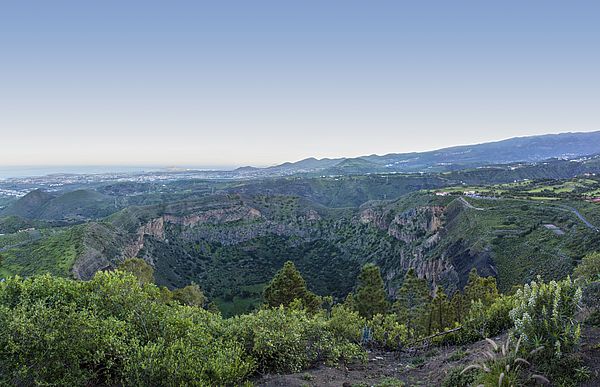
<point>590,352</point>
<point>581,217</point>
<point>424,368</point>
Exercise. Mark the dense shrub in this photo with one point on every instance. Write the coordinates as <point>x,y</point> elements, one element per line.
<point>456,378</point>
<point>346,323</point>
<point>110,330</point>
<point>589,268</point>
<point>544,315</point>
<point>482,321</point>
<point>290,339</point>
<point>388,333</point>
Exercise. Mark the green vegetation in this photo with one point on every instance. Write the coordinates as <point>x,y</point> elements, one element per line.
<point>370,296</point>
<point>115,330</point>
<point>589,268</point>
<point>139,269</point>
<point>544,316</point>
<point>413,304</point>
<point>56,253</point>
<point>119,328</point>
<point>190,295</point>
<point>288,286</point>
<point>505,367</point>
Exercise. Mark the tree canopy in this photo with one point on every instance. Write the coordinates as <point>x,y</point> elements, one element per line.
<point>288,286</point>
<point>371,297</point>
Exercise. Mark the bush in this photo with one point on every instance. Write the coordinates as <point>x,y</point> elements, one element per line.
<point>456,378</point>
<point>111,330</point>
<point>346,324</point>
<point>388,333</point>
<point>544,315</point>
<point>489,321</point>
<point>290,339</point>
<point>589,268</point>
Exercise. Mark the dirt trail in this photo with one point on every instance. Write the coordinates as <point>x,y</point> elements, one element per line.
<point>424,368</point>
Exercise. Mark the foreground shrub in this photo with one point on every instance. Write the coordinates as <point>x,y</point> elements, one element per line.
<point>111,330</point>
<point>388,333</point>
<point>457,378</point>
<point>486,321</point>
<point>544,315</point>
<point>290,339</point>
<point>482,321</point>
<point>60,345</point>
<point>588,269</point>
<point>503,366</point>
<point>346,323</point>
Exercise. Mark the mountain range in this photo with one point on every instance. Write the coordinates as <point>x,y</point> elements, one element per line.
<point>519,149</point>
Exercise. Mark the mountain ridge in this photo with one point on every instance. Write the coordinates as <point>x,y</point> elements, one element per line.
<point>510,150</point>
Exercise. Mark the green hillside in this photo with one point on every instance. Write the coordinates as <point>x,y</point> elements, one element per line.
<point>231,245</point>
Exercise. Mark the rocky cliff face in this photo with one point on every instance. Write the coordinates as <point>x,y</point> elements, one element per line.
<point>420,229</point>
<point>156,227</point>
<point>394,239</point>
<point>102,246</point>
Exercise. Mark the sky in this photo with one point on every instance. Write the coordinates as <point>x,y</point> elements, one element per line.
<point>230,83</point>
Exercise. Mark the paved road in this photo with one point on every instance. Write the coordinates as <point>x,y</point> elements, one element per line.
<point>561,207</point>
<point>469,205</point>
<point>581,217</point>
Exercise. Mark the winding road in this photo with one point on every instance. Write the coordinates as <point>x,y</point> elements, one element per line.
<point>561,207</point>
<point>578,214</point>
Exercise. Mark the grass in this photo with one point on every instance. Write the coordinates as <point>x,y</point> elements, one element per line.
<point>53,254</point>
<point>239,305</point>
<point>458,355</point>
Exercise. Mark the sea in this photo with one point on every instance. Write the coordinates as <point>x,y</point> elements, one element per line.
<point>7,172</point>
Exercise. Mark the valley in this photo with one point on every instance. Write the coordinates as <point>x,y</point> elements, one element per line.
<point>230,237</point>
<point>467,237</point>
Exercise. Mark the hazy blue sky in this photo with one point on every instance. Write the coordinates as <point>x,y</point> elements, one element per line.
<point>260,82</point>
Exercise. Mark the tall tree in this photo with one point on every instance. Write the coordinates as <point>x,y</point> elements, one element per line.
<point>458,307</point>
<point>413,304</point>
<point>480,288</point>
<point>287,286</point>
<point>370,296</point>
<point>441,313</point>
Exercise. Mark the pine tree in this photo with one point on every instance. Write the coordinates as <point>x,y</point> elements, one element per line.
<point>441,313</point>
<point>287,286</point>
<point>370,296</point>
<point>458,307</point>
<point>413,304</point>
<point>350,302</point>
<point>480,288</point>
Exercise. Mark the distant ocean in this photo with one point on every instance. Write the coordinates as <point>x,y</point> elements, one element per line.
<point>30,171</point>
<point>26,171</point>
